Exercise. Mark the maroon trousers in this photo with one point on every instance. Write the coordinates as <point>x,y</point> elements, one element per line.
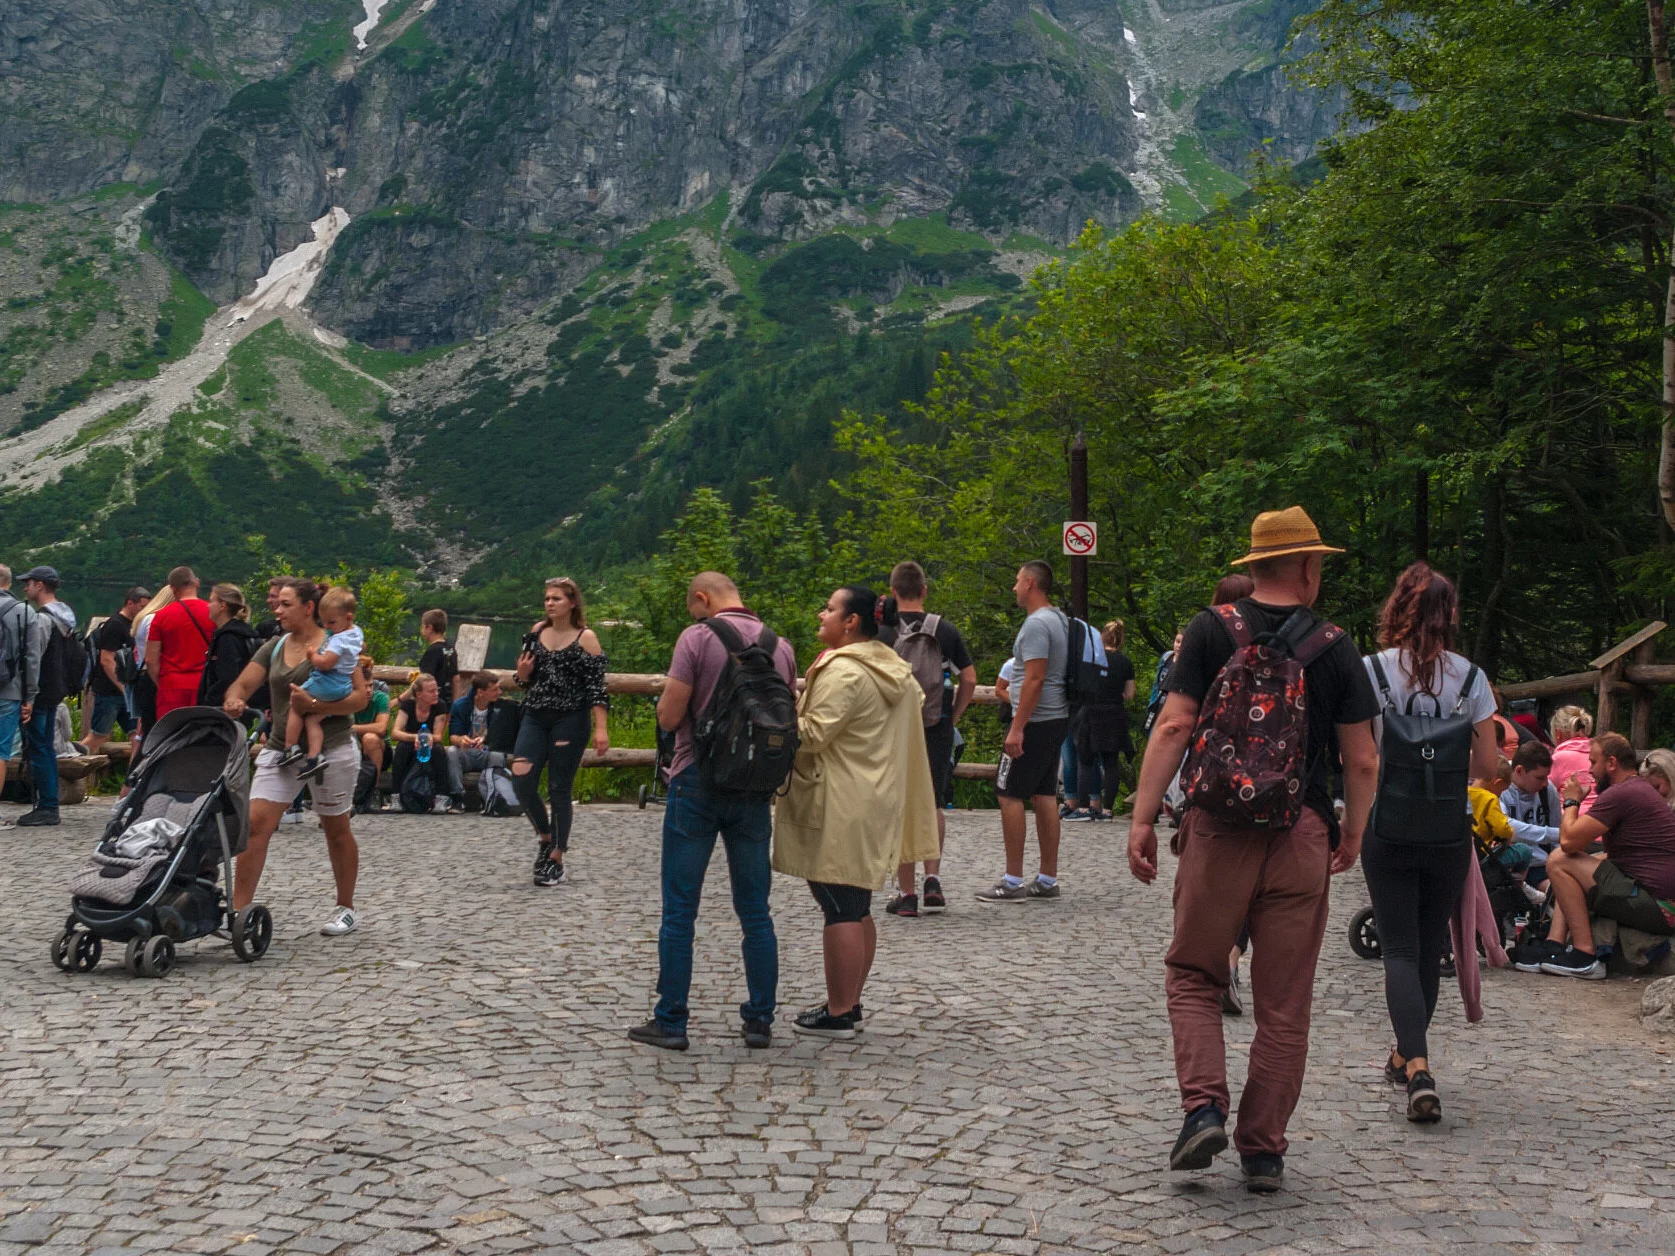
<point>1277,882</point>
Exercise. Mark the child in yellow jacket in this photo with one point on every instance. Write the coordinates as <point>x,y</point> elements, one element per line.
<point>1490,828</point>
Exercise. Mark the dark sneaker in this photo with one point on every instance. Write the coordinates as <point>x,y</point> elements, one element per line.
<point>312,767</point>
<point>854,1016</point>
<point>653,1034</point>
<point>1099,815</point>
<point>543,852</point>
<point>1264,1172</point>
<point>1076,816</point>
<point>1039,890</point>
<point>1447,969</point>
<point>1533,953</point>
<point>289,755</point>
<point>903,905</point>
<point>931,902</point>
<point>1567,963</point>
<point>1203,1138</point>
<point>1000,892</point>
<point>817,1022</point>
<point>757,1034</point>
<point>549,872</point>
<point>1424,1105</point>
<point>37,818</point>
<point>1231,1003</point>
<point>1395,1074</point>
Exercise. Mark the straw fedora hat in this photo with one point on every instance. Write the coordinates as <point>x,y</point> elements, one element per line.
<point>1276,533</point>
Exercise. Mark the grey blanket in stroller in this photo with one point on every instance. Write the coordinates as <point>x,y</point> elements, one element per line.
<point>120,865</point>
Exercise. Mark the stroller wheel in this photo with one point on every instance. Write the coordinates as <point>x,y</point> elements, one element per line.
<point>645,793</point>
<point>158,956</point>
<point>63,951</point>
<point>88,950</point>
<point>252,931</point>
<point>134,956</point>
<point>1363,935</point>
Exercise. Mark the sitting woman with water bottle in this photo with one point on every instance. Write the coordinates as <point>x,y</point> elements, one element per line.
<point>417,732</point>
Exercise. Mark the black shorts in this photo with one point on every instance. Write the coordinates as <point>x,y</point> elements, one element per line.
<point>843,904</point>
<point>1034,773</point>
<point>939,746</point>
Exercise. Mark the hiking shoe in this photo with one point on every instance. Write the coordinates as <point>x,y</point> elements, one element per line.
<point>340,922</point>
<point>931,902</point>
<point>1231,1003</point>
<point>1395,1074</point>
<point>1037,890</point>
<point>757,1034</point>
<point>38,818</point>
<point>1530,955</point>
<point>312,767</point>
<point>549,872</point>
<point>1567,963</point>
<point>1000,892</point>
<point>817,1022</point>
<point>1264,1172</point>
<point>289,755</point>
<point>903,905</point>
<point>1424,1105</point>
<point>653,1034</point>
<point>1203,1138</point>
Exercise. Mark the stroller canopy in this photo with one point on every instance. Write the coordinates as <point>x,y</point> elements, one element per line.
<point>192,748</point>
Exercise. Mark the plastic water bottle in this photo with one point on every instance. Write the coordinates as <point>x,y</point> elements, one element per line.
<point>424,745</point>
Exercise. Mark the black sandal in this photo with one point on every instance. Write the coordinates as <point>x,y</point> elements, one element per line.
<point>1424,1105</point>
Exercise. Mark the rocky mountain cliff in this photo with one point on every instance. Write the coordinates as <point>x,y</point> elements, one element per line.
<point>642,205</point>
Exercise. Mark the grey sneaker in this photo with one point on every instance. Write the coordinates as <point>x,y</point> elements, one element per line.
<point>1000,892</point>
<point>1036,891</point>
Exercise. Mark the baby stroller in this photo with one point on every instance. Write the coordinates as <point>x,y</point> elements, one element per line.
<point>151,881</point>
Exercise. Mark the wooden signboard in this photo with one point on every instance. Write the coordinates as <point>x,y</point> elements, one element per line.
<point>471,644</point>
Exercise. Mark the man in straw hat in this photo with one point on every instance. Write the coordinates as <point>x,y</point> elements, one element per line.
<point>1276,878</point>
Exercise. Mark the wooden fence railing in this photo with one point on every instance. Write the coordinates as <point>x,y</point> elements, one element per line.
<point>1629,667</point>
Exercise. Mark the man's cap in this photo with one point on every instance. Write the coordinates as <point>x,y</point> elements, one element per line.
<point>43,573</point>
<point>1276,533</point>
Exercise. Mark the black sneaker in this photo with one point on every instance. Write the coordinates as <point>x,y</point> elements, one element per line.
<point>1447,969</point>
<point>1567,963</point>
<point>757,1034</point>
<point>39,817</point>
<point>817,1022</point>
<point>549,872</point>
<point>932,902</point>
<point>1424,1105</point>
<point>1040,891</point>
<point>1264,1172</point>
<point>1534,952</point>
<point>312,767</point>
<point>289,755</point>
<point>543,852</point>
<point>1395,1074</point>
<point>652,1034</point>
<point>903,905</point>
<point>1203,1138</point>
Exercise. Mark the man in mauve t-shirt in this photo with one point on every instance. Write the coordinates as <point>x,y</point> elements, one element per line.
<point>178,646</point>
<point>1628,881</point>
<point>694,817</point>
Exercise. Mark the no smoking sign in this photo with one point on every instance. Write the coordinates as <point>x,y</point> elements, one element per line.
<point>1081,539</point>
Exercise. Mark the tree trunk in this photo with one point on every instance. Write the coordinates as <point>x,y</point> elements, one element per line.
<point>1487,654</point>
<point>1661,69</point>
<point>1422,516</point>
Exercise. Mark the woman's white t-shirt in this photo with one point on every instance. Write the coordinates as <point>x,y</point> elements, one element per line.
<point>1479,705</point>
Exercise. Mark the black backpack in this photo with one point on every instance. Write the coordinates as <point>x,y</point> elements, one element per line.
<point>1424,769</point>
<point>746,738</point>
<point>418,788</point>
<point>1086,666</point>
<point>63,664</point>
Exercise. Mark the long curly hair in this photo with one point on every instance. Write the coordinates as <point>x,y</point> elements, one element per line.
<point>1419,620</point>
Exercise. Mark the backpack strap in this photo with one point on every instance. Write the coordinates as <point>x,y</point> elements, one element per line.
<point>1321,638</point>
<point>1466,688</point>
<point>726,633</point>
<point>929,624</point>
<point>1237,626</point>
<point>1383,681</point>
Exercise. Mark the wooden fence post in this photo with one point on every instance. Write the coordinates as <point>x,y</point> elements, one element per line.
<point>1605,715</point>
<point>1640,717</point>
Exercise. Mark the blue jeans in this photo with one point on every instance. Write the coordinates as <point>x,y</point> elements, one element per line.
<point>39,745</point>
<point>690,824</point>
<point>1071,772</point>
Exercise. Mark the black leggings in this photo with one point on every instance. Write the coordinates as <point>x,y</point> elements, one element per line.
<point>1109,763</point>
<point>539,738</point>
<point>1415,890</point>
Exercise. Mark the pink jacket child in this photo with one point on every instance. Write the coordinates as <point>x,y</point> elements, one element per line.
<point>1570,758</point>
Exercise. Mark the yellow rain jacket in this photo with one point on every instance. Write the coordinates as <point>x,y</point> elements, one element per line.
<point>860,799</point>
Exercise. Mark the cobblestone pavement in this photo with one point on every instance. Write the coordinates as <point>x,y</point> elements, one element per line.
<point>454,1077</point>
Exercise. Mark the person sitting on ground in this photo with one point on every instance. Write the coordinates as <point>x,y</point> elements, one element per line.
<point>1658,767</point>
<point>1571,728</point>
<point>1492,830</point>
<point>470,720</point>
<point>422,711</point>
<point>859,802</point>
<point>332,679</point>
<point>439,659</point>
<point>1633,881</point>
<point>1531,804</point>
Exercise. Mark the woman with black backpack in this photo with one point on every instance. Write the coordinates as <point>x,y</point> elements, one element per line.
<point>1436,733</point>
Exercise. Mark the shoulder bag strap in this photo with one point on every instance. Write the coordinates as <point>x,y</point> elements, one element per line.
<point>1466,688</point>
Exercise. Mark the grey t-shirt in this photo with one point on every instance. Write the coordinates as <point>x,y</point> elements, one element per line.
<point>1045,635</point>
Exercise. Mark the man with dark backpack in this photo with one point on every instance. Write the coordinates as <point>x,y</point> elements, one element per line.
<point>731,679</point>
<point>63,664</point>
<point>1271,699</point>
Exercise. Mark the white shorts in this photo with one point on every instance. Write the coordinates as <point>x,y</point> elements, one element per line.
<point>333,791</point>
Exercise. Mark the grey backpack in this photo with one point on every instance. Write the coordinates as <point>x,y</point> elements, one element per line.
<point>923,652</point>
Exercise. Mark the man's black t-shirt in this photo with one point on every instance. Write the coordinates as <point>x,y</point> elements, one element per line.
<point>116,633</point>
<point>441,662</point>
<point>1336,684</point>
<point>954,650</point>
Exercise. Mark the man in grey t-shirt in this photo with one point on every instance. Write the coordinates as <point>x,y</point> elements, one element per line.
<point>1027,776</point>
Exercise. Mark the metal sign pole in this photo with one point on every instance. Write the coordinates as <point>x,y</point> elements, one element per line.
<point>1079,510</point>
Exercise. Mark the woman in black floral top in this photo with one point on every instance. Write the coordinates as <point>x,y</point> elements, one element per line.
<point>562,669</point>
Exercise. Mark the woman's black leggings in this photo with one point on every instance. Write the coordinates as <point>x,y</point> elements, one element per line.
<point>1109,763</point>
<point>554,740</point>
<point>1415,890</point>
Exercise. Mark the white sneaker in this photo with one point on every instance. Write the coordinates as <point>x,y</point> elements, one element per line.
<point>291,817</point>
<point>342,921</point>
<point>439,805</point>
<point>1538,897</point>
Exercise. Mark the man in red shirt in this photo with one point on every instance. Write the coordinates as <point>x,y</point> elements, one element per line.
<point>178,645</point>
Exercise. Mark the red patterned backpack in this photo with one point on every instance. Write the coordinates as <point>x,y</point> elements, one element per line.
<point>1249,756</point>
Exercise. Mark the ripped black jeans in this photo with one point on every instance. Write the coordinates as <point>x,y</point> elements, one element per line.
<point>539,737</point>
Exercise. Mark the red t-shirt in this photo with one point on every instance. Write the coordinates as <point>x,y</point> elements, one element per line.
<point>182,631</point>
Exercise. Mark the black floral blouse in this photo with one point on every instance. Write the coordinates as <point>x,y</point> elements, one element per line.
<point>566,680</point>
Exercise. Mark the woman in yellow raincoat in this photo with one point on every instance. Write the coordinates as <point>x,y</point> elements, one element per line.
<point>860,799</point>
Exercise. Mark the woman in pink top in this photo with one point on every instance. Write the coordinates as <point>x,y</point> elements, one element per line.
<point>1572,727</point>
